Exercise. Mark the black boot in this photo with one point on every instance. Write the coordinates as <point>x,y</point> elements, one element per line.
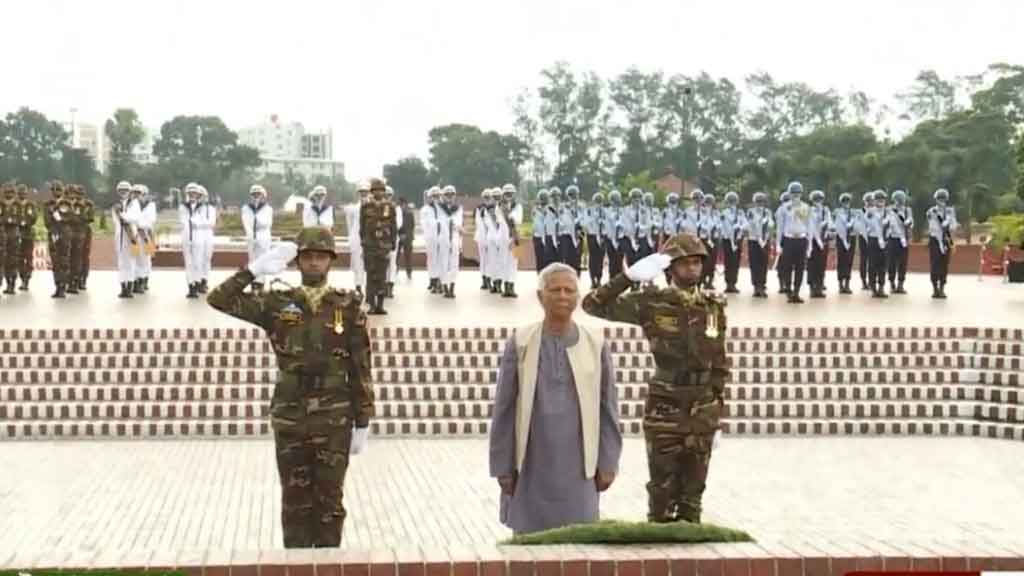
<point>935,289</point>
<point>435,286</point>
<point>137,286</point>
<point>817,292</point>
<point>126,290</point>
<point>794,298</point>
<point>864,286</point>
<point>510,291</point>
<point>899,288</point>
<point>72,287</point>
<point>202,286</point>
<point>486,285</point>
<point>81,282</point>
<point>145,284</point>
<point>731,289</point>
<point>10,286</point>
<point>390,293</point>
<point>449,291</point>
<point>60,291</point>
<point>880,291</point>
<point>193,290</point>
<point>379,308</point>
<point>942,289</point>
<point>496,287</point>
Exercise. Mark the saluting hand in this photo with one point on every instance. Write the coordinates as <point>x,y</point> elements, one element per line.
<point>274,261</point>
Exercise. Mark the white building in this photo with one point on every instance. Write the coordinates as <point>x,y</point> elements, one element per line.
<point>90,138</point>
<point>286,147</point>
<point>142,152</point>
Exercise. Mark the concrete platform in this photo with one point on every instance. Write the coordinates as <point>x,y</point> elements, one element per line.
<point>988,302</point>
<point>96,500</point>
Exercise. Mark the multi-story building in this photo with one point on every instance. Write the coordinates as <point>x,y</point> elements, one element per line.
<point>286,147</point>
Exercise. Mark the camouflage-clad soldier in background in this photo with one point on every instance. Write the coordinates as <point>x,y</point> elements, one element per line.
<point>88,215</point>
<point>685,328</point>
<point>10,216</point>
<point>73,229</point>
<point>29,214</point>
<point>378,231</point>
<point>323,356</point>
<point>56,210</point>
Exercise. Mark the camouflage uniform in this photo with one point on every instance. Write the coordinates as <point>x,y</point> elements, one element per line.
<point>29,215</point>
<point>55,211</point>
<point>378,231</point>
<point>87,217</point>
<point>323,356</point>
<point>686,332</point>
<point>74,230</point>
<point>9,220</point>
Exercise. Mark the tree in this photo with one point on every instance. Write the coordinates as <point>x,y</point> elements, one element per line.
<point>409,177</point>
<point>31,146</point>
<point>930,97</point>
<point>527,129</point>
<point>125,132</point>
<point>1020,166</point>
<point>1006,94</point>
<point>470,159</point>
<point>203,149</point>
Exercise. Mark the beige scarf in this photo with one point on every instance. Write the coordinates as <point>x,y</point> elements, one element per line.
<point>585,362</point>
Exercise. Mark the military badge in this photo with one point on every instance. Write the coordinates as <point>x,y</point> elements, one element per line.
<point>339,325</point>
<point>712,329</point>
<point>290,314</point>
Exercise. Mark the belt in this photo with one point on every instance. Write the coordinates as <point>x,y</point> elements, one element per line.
<point>802,237</point>
<point>683,377</point>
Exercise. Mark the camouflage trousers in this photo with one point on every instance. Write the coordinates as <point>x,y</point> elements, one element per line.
<point>59,246</point>
<point>376,264</point>
<point>83,270</point>
<point>76,248</point>
<point>12,253</point>
<point>28,244</point>
<point>312,458</point>
<point>679,429</point>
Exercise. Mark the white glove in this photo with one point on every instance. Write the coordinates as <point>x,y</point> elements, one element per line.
<point>274,261</point>
<point>649,268</point>
<point>359,437</point>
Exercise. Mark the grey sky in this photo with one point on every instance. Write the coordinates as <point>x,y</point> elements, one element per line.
<point>383,72</point>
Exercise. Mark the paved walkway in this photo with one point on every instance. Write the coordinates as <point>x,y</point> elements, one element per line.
<point>971,303</point>
<point>92,498</point>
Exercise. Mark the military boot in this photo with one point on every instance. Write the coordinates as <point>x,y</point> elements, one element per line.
<point>935,290</point>
<point>496,287</point>
<point>510,290</point>
<point>449,291</point>
<point>203,287</point>
<point>24,285</point>
<point>879,291</point>
<point>126,290</point>
<point>942,289</point>
<point>81,283</point>
<point>60,291</point>
<point>486,283</point>
<point>390,290</point>
<point>435,286</point>
<point>137,286</point>
<point>10,285</point>
<point>380,305</point>
<point>899,288</point>
<point>145,284</point>
<point>193,290</point>
<point>72,285</point>
<point>817,292</point>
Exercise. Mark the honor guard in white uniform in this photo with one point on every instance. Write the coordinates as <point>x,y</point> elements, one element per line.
<point>257,220</point>
<point>551,231</point>
<point>649,244</point>
<point>392,272</point>
<point>691,215</point>
<point>430,216</point>
<point>570,229</point>
<point>941,226</point>
<point>483,223</point>
<point>355,244</point>
<point>900,222</point>
<point>318,212</point>
<point>593,218</point>
<point>734,231</point>
<point>539,220</point>
<point>450,240</point>
<point>612,233</point>
<point>188,222</point>
<point>821,232</point>
<point>860,229</point>
<point>632,216</point>
<point>709,230</point>
<point>780,214</point>
<point>147,237</point>
<point>126,215</point>
<point>509,215</point>
<point>844,222</point>
<point>760,226</point>
<point>876,221</point>
<point>495,239</point>
<point>794,236</point>
<point>671,218</point>
<point>209,215</point>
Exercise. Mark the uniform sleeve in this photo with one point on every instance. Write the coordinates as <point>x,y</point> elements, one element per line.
<point>361,372</point>
<point>230,298</point>
<point>720,363</point>
<point>610,303</point>
<point>503,419</point>
<point>610,444</point>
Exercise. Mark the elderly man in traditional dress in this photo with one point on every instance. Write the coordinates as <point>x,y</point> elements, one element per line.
<point>555,440</point>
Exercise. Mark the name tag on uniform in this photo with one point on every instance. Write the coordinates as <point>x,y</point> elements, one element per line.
<point>666,322</point>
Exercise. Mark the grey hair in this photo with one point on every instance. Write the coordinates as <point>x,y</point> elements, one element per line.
<point>551,269</point>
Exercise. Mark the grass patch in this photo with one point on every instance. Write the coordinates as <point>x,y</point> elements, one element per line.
<point>620,532</point>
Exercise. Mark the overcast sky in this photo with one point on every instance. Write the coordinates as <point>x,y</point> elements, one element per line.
<point>383,72</point>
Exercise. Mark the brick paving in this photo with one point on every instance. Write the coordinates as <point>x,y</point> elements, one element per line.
<point>100,499</point>
<point>972,303</point>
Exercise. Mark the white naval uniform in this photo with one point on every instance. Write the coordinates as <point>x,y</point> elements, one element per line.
<point>257,222</point>
<point>208,223</point>
<point>428,221</point>
<point>508,228</point>
<point>322,217</point>
<point>393,255</point>
<point>130,217</point>
<point>355,245</point>
<point>147,221</point>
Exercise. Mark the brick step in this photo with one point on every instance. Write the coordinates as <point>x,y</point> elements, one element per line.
<point>483,361</point>
<point>220,377</point>
<point>485,392</point>
<point>460,428</point>
<point>480,346</point>
<point>501,333</point>
<point>462,409</point>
